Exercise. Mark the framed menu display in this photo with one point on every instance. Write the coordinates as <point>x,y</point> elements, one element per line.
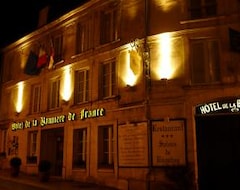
<point>168,143</point>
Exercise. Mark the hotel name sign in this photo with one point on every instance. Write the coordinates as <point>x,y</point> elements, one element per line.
<point>43,121</point>
<point>221,106</point>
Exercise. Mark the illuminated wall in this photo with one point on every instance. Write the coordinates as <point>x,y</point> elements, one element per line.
<point>167,57</point>
<point>130,66</point>
<point>67,81</point>
<point>19,97</point>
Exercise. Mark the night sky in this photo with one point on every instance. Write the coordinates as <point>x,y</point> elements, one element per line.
<point>19,18</point>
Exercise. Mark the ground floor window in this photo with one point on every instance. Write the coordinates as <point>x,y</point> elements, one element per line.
<point>3,141</point>
<point>105,146</point>
<point>32,147</point>
<point>79,148</point>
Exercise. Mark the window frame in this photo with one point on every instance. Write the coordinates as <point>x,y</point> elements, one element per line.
<point>58,48</point>
<point>210,61</point>
<point>84,35</point>
<point>109,24</point>
<point>3,140</point>
<point>202,8</point>
<point>81,86</point>
<point>108,79</point>
<point>80,148</point>
<point>54,94</point>
<point>32,147</point>
<point>106,147</point>
<point>36,98</point>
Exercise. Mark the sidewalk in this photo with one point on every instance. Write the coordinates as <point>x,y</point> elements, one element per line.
<point>53,184</point>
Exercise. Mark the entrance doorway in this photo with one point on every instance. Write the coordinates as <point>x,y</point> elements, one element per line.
<point>52,149</point>
<point>218,150</point>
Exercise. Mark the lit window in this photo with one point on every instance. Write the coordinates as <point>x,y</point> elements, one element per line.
<point>202,8</point>
<point>84,36</point>
<point>205,61</point>
<point>81,86</point>
<point>36,98</point>
<point>32,147</point>
<point>109,25</point>
<point>108,79</point>
<point>105,147</point>
<point>54,94</point>
<point>79,148</point>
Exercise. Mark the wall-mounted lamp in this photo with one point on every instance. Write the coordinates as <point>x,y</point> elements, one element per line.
<point>164,81</point>
<point>130,87</point>
<point>65,102</point>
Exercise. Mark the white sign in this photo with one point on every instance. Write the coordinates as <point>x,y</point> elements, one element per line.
<point>133,145</point>
<point>168,143</point>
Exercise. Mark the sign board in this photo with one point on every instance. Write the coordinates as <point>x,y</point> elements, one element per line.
<point>168,143</point>
<point>221,106</point>
<point>133,145</point>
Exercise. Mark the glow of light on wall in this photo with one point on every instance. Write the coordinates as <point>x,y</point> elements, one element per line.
<point>131,70</point>
<point>19,101</point>
<point>165,5</point>
<point>133,11</point>
<point>67,84</point>
<point>165,65</point>
<point>130,77</point>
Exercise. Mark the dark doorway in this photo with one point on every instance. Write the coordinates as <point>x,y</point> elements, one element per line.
<point>218,150</point>
<point>52,149</point>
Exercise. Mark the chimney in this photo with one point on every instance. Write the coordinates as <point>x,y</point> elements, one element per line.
<point>43,16</point>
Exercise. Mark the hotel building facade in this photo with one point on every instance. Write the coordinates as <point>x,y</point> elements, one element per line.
<point>132,94</point>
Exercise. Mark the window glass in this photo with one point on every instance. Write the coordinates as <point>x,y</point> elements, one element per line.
<point>105,147</point>
<point>84,36</point>
<point>54,90</point>
<point>36,98</point>
<point>81,86</point>
<point>205,62</point>
<point>108,81</point>
<point>109,25</point>
<point>32,147</point>
<point>202,8</point>
<point>79,148</point>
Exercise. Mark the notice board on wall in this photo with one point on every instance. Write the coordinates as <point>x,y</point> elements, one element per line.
<point>133,145</point>
<point>168,143</point>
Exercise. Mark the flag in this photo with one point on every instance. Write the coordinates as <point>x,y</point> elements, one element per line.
<point>42,58</point>
<point>51,59</point>
<point>31,64</point>
<point>234,38</point>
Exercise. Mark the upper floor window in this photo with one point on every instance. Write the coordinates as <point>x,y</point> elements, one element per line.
<point>54,94</point>
<point>79,148</point>
<point>36,98</point>
<point>84,38</point>
<point>202,8</point>
<point>109,25</point>
<point>107,86</point>
<point>205,61</point>
<point>81,86</point>
<point>105,147</point>
<point>58,48</point>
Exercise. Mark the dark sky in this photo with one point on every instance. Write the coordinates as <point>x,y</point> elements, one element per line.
<point>20,17</point>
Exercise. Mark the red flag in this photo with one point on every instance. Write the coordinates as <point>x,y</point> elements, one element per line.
<point>42,58</point>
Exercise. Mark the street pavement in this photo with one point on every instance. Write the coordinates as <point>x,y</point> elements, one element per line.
<point>30,182</point>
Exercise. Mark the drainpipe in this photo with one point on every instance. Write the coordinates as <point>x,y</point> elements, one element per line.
<point>147,78</point>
